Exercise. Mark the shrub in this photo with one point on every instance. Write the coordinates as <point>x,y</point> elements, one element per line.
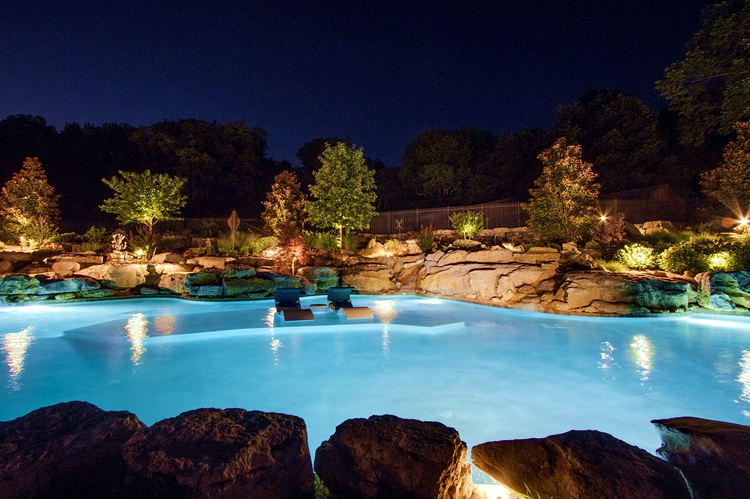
<point>225,243</point>
<point>90,246</point>
<point>96,235</point>
<point>426,239</point>
<point>740,253</point>
<point>661,239</point>
<point>143,240</point>
<point>608,234</point>
<point>684,256</point>
<point>612,265</point>
<point>350,242</point>
<point>637,256</point>
<point>263,243</point>
<point>66,237</point>
<point>321,240</point>
<point>207,228</point>
<point>467,223</point>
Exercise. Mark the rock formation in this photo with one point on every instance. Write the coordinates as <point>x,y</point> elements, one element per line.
<point>391,458</point>
<point>579,464</point>
<point>713,456</point>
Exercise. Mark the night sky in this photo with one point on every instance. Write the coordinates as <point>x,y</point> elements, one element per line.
<point>379,72</point>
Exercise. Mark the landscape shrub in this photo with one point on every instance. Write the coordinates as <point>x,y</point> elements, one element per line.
<point>740,253</point>
<point>684,256</point>
<point>612,265</point>
<point>66,237</point>
<point>321,241</point>
<point>226,245</point>
<point>467,223</point>
<point>350,242</point>
<point>608,235</point>
<point>426,239</point>
<point>262,243</point>
<point>661,239</point>
<point>96,235</point>
<point>637,256</point>
<point>207,228</point>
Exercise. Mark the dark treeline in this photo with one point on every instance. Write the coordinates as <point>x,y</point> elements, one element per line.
<point>227,165</point>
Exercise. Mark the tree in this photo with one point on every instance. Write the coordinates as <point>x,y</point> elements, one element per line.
<point>145,198</point>
<point>729,184</point>
<point>344,190</point>
<point>564,202</point>
<point>618,134</point>
<point>285,207</point>
<point>28,204</point>
<point>710,86</point>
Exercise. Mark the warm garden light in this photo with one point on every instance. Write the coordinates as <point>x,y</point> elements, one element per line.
<point>603,218</point>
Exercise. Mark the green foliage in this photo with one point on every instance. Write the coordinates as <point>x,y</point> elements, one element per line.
<point>207,228</point>
<point>608,235</point>
<point>740,253</point>
<point>143,241</point>
<point>344,190</point>
<point>285,207</point>
<point>351,242</point>
<point>729,184</point>
<point>65,237</point>
<point>661,239</point>
<point>263,243</point>
<point>96,234</point>
<point>710,86</point>
<point>226,245</point>
<point>145,198</point>
<point>426,239</point>
<point>321,240</point>
<point>321,491</point>
<point>564,202</point>
<point>28,204</point>
<point>637,256</point>
<point>684,256</point>
<point>467,223</point>
<point>613,265</point>
<point>91,246</point>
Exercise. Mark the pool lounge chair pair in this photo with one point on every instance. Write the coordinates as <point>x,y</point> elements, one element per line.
<point>288,304</point>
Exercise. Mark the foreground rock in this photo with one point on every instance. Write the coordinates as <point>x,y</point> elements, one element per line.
<point>579,464</point>
<point>230,453</point>
<point>725,290</point>
<point>389,457</point>
<point>65,450</point>
<point>713,456</point>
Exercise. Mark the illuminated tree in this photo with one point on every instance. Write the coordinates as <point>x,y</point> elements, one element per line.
<point>710,86</point>
<point>564,202</point>
<point>145,198</point>
<point>28,204</point>
<point>344,190</point>
<point>285,207</point>
<point>729,184</point>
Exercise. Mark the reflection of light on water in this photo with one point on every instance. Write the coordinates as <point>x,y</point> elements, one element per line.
<point>386,342</point>
<point>385,310</point>
<point>744,377</point>
<point>164,324</point>
<point>717,323</point>
<point>15,346</point>
<point>642,351</point>
<point>606,357</point>
<point>275,346</point>
<point>725,364</point>
<point>137,327</point>
<point>270,316</point>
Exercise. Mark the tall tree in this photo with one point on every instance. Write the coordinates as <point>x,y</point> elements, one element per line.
<point>514,163</point>
<point>618,133</point>
<point>344,190</point>
<point>285,207</point>
<point>710,86</point>
<point>145,198</point>
<point>729,184</point>
<point>28,204</point>
<point>564,202</point>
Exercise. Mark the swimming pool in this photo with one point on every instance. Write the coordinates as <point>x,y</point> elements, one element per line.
<point>491,373</point>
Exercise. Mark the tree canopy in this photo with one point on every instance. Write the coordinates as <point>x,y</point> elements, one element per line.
<point>563,203</point>
<point>145,198</point>
<point>28,204</point>
<point>729,184</point>
<point>344,190</point>
<point>710,86</point>
<point>285,207</point>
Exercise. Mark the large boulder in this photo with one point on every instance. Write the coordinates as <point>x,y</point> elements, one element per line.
<point>248,287</point>
<point>579,464</point>
<point>322,277</point>
<point>372,278</point>
<point>117,275</point>
<point>392,458</point>
<point>713,456</point>
<point>212,453</point>
<point>725,290</point>
<point>210,262</point>
<point>66,450</point>
<point>54,287</point>
<point>18,285</point>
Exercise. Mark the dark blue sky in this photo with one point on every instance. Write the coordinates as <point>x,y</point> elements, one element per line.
<point>377,71</point>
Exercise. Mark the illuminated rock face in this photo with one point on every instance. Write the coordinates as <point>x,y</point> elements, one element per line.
<point>387,457</point>
<point>65,450</point>
<point>713,456</point>
<point>579,464</point>
<point>229,453</point>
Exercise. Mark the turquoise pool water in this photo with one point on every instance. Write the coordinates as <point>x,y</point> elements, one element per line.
<point>490,373</point>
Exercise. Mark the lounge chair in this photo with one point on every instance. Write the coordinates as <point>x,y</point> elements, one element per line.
<point>338,297</point>
<point>287,299</point>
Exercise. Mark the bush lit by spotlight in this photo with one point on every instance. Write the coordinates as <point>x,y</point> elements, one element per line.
<point>637,256</point>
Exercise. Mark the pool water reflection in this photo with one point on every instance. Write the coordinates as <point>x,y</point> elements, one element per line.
<point>490,373</point>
